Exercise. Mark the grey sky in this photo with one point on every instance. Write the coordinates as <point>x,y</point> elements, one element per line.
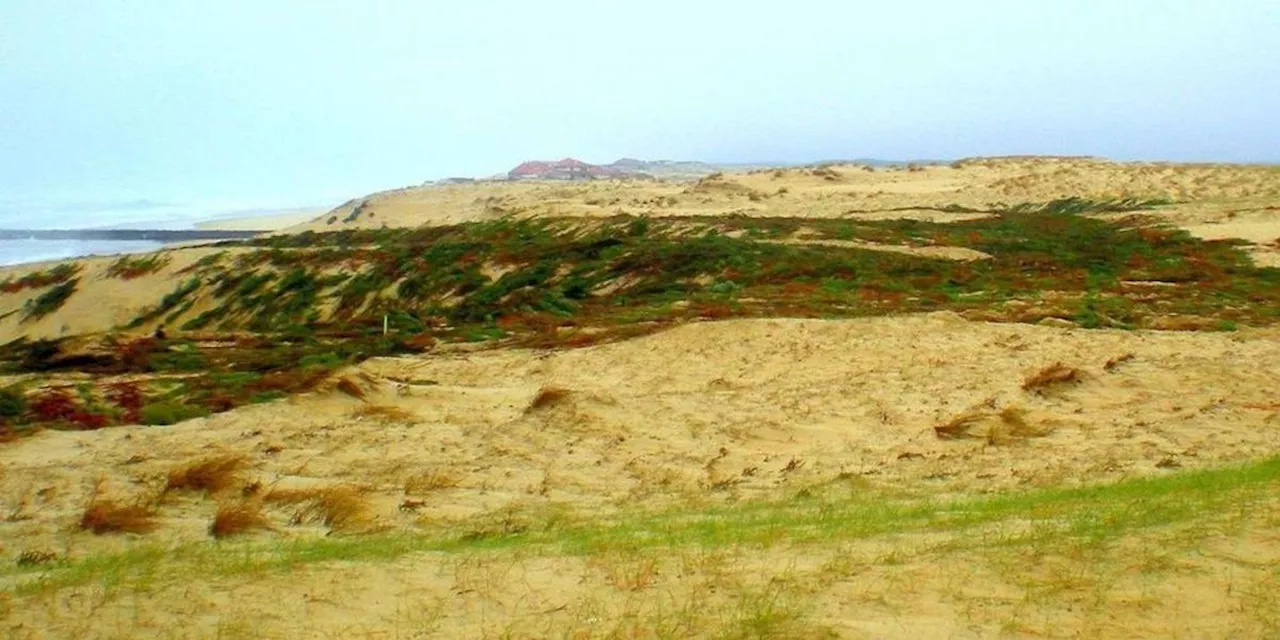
<point>285,101</point>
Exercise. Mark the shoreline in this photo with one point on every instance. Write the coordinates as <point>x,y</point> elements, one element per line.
<point>264,222</point>
<point>165,236</point>
<point>34,247</point>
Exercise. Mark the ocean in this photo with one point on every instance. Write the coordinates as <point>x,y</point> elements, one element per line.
<point>23,251</point>
<point>138,214</point>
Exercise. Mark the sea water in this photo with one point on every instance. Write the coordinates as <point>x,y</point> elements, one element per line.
<point>140,214</point>
<point>22,251</point>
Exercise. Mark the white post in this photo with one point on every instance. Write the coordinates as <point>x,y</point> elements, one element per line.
<point>384,324</point>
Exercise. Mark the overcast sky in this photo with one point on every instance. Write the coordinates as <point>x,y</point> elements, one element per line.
<point>284,101</point>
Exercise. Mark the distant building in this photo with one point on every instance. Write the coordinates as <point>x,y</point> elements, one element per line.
<point>567,169</point>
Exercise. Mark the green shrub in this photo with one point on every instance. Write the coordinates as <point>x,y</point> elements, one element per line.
<point>13,402</point>
<point>267,396</point>
<point>129,267</point>
<point>56,275</point>
<point>50,301</point>
<point>324,360</point>
<point>235,379</point>
<point>166,413</point>
<point>178,361</point>
<point>169,302</point>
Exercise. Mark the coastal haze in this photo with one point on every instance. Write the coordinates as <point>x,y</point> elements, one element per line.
<point>639,320</point>
<point>137,101</point>
<point>32,231</point>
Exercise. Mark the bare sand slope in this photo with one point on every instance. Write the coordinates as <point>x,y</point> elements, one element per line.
<point>101,302</point>
<point>708,411</point>
<point>705,413</point>
<point>838,191</point>
<point>1212,201</point>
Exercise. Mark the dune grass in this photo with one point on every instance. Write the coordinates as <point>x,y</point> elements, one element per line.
<point>314,302</point>
<point>825,515</point>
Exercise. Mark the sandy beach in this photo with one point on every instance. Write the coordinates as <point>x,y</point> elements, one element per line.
<point>274,221</point>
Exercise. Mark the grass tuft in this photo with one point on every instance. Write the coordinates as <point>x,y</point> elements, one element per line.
<point>385,414</point>
<point>1006,427</point>
<point>351,388</point>
<point>1052,376</point>
<point>548,397</point>
<point>339,508</point>
<point>1115,362</point>
<point>35,558</point>
<point>958,427</point>
<point>104,516</point>
<point>1013,426</point>
<point>435,480</point>
<point>237,519</point>
<point>211,475</point>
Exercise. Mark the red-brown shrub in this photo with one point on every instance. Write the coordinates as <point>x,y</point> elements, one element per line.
<point>128,397</point>
<point>53,405</point>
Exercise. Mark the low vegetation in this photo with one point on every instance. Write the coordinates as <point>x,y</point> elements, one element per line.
<point>338,508</point>
<point>300,307</point>
<point>548,397</point>
<point>131,267</point>
<point>238,518</point>
<point>166,381</point>
<point>104,515</point>
<point>210,475</point>
<point>49,301</point>
<point>41,279</point>
<point>639,550</point>
<point>1050,377</point>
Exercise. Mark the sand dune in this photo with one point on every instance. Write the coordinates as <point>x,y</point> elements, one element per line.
<point>641,419</point>
<point>838,191</point>
<point>705,413</point>
<point>476,491</point>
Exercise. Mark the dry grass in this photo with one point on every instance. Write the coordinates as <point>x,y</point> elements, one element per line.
<point>1052,376</point>
<point>1115,362</point>
<point>108,516</point>
<point>35,558</point>
<point>1013,426</point>
<point>210,475</point>
<point>350,387</point>
<point>434,480</point>
<point>339,508</point>
<point>238,518</point>
<point>1005,427</point>
<point>547,398</point>
<point>383,413</point>
<point>1182,323</point>
<point>629,574</point>
<point>960,426</point>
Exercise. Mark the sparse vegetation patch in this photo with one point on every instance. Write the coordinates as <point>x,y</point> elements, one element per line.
<point>131,267</point>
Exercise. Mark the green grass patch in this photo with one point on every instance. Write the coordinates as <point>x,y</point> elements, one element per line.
<point>40,279</point>
<point>49,301</point>
<point>166,413</point>
<point>833,513</point>
<point>130,267</point>
<point>524,275</point>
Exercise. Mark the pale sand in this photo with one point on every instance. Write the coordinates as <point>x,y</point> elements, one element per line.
<point>678,418</point>
<point>1204,193</point>
<point>267,222</point>
<point>101,302</point>
<point>1212,201</point>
